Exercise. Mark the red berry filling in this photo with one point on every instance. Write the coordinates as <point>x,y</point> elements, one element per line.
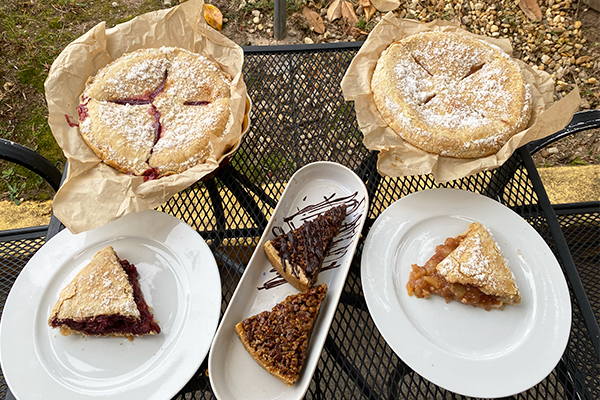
<point>147,98</point>
<point>150,174</point>
<point>116,324</point>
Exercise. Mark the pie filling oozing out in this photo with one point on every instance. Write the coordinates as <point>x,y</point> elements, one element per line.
<point>298,254</point>
<point>104,299</point>
<point>278,339</point>
<point>468,268</point>
<point>155,112</point>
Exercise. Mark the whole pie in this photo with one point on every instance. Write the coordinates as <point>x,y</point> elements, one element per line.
<point>298,254</point>
<point>104,299</point>
<point>468,268</point>
<point>155,112</point>
<point>450,94</point>
<point>278,339</point>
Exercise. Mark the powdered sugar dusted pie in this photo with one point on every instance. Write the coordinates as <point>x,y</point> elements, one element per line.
<point>451,95</point>
<point>155,112</point>
<point>104,299</point>
<point>469,268</point>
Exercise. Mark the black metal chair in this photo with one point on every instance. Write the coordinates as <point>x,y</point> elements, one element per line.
<point>17,246</point>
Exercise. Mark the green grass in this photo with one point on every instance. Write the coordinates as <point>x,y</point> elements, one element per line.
<point>32,35</point>
<point>578,161</point>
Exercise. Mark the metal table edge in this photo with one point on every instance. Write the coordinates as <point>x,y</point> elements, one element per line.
<point>563,250</point>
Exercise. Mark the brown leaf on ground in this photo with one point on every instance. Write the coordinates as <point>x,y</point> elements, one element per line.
<point>335,10</point>
<point>357,32</point>
<point>213,16</point>
<point>368,8</point>
<point>531,9</point>
<point>348,13</point>
<point>314,19</point>
<point>385,5</point>
<point>369,12</point>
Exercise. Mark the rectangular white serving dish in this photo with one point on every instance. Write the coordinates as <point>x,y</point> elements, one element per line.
<point>233,373</point>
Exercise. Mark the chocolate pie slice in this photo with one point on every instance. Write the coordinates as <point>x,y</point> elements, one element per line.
<point>278,339</point>
<point>298,255</point>
<point>468,268</point>
<point>104,299</point>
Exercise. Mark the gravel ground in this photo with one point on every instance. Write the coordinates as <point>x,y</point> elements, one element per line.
<point>564,43</point>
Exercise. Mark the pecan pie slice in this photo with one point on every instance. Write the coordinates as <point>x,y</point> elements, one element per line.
<point>104,299</point>
<point>298,255</point>
<point>278,339</point>
<point>468,268</point>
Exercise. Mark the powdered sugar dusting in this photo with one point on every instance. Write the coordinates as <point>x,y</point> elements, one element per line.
<point>188,123</point>
<point>476,265</point>
<point>478,261</point>
<point>473,92</point>
<point>165,99</point>
<point>134,79</point>
<point>134,123</point>
<point>101,288</point>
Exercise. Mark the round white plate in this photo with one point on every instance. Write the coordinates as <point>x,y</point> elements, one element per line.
<point>180,281</point>
<point>463,349</point>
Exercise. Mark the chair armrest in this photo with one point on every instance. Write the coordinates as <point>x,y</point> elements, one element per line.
<point>582,121</point>
<point>21,155</point>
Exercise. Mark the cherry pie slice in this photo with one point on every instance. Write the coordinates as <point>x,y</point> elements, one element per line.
<point>104,299</point>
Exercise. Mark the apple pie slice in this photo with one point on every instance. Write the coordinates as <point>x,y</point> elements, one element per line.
<point>298,255</point>
<point>104,299</point>
<point>278,339</point>
<point>468,268</point>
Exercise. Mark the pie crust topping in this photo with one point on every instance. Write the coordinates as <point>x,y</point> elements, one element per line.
<point>278,339</point>
<point>450,94</point>
<point>298,255</point>
<point>104,299</point>
<point>469,268</point>
<point>155,112</point>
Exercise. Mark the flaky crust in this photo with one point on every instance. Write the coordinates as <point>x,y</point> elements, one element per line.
<point>278,339</point>
<point>126,145</point>
<point>298,254</point>
<point>270,369</point>
<point>300,282</point>
<point>155,110</point>
<point>100,288</point>
<point>477,261</point>
<point>451,95</point>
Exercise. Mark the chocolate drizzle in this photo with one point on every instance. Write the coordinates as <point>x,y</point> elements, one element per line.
<point>331,208</point>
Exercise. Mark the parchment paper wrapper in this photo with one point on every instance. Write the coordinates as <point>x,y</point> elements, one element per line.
<point>93,193</point>
<point>398,157</point>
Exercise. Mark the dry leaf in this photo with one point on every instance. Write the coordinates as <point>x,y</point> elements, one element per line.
<point>314,19</point>
<point>369,11</point>
<point>385,5</point>
<point>348,13</point>
<point>213,16</point>
<point>357,32</point>
<point>531,9</point>
<point>335,10</point>
<point>368,8</point>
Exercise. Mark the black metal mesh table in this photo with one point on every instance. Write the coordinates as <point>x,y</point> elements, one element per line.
<point>299,116</point>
